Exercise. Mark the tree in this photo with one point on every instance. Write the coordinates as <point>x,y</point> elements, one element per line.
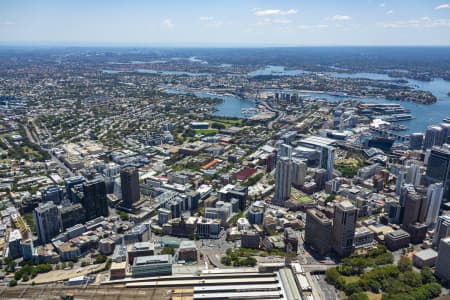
<point>427,275</point>
<point>99,259</point>
<point>13,282</point>
<point>404,264</point>
<point>411,278</point>
<point>359,296</point>
<point>332,275</point>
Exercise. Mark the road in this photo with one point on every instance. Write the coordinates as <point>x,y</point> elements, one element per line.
<point>38,141</point>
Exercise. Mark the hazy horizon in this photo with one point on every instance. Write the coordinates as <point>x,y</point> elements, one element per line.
<point>251,23</point>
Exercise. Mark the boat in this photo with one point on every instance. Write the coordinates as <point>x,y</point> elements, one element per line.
<point>398,127</point>
<point>398,117</point>
<point>338,94</point>
<point>446,120</point>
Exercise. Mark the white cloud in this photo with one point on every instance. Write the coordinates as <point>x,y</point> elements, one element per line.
<point>6,23</point>
<point>273,12</point>
<point>168,23</point>
<point>443,6</point>
<point>424,22</point>
<point>206,19</point>
<point>390,12</point>
<point>341,18</point>
<point>311,27</point>
<point>210,22</point>
<point>382,4</point>
<point>273,21</point>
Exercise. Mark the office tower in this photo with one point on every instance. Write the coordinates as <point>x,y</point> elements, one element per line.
<point>94,199</point>
<point>298,172</point>
<point>129,182</point>
<point>411,208</point>
<point>442,230</point>
<point>255,215</point>
<point>320,177</point>
<point>71,215</point>
<point>344,224</point>
<point>318,231</point>
<point>14,244</point>
<point>70,183</point>
<point>46,218</point>
<point>445,132</point>
<point>325,149</point>
<point>27,249</point>
<point>433,203</point>
<point>240,193</point>
<point>53,193</point>
<point>415,141</point>
<point>285,151</point>
<point>414,174</point>
<point>438,169</point>
<point>400,181</point>
<point>282,181</point>
<point>442,264</point>
<point>434,136</point>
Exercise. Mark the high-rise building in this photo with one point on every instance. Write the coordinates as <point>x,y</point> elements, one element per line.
<point>46,218</point>
<point>442,230</point>
<point>298,172</point>
<point>415,141</point>
<point>411,209</point>
<point>443,260</point>
<point>282,181</point>
<point>71,215</point>
<point>438,169</point>
<point>94,198</point>
<point>285,151</point>
<point>129,182</point>
<point>433,203</point>
<point>434,136</point>
<point>72,182</point>
<point>326,150</point>
<point>53,193</point>
<point>344,225</point>
<point>318,231</point>
<point>414,174</point>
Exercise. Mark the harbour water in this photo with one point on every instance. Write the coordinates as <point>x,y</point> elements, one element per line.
<point>424,114</point>
<point>231,106</point>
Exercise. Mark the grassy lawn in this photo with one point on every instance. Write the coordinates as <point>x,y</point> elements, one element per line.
<point>210,131</point>
<point>304,199</point>
<point>350,279</point>
<point>373,296</point>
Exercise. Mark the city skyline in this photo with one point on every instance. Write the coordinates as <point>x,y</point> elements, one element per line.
<point>234,23</point>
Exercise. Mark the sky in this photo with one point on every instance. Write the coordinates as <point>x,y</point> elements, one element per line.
<point>225,22</point>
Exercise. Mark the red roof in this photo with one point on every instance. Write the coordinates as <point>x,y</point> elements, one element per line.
<point>245,173</point>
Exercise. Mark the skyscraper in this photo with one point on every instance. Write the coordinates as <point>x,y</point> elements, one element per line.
<point>285,151</point>
<point>70,183</point>
<point>442,230</point>
<point>282,181</point>
<point>318,231</point>
<point>344,225</point>
<point>129,181</point>
<point>438,169</point>
<point>443,260</point>
<point>94,198</point>
<point>46,218</point>
<point>298,172</point>
<point>415,141</point>
<point>433,203</point>
<point>411,209</point>
<point>434,136</point>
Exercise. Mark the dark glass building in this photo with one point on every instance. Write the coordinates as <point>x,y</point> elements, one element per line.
<point>129,181</point>
<point>94,198</point>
